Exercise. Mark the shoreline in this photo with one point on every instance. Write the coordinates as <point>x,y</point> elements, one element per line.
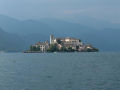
<point>56,52</point>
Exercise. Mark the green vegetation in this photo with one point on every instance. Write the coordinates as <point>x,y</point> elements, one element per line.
<point>53,48</point>
<point>59,41</point>
<point>70,49</point>
<point>56,48</point>
<point>34,48</point>
<point>63,49</point>
<point>92,50</point>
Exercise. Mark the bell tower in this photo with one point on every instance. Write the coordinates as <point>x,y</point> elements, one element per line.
<point>51,39</point>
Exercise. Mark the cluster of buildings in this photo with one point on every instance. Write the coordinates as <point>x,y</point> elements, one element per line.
<point>75,44</point>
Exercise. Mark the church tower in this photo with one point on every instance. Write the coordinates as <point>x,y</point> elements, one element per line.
<point>51,39</point>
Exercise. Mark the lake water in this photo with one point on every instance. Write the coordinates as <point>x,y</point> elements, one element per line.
<point>60,71</point>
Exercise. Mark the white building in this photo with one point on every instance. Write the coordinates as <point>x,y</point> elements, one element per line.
<point>42,45</point>
<point>67,42</point>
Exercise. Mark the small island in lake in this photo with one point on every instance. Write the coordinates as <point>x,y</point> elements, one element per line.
<point>67,44</point>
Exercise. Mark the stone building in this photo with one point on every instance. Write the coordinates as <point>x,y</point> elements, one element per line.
<point>66,42</point>
<point>42,45</point>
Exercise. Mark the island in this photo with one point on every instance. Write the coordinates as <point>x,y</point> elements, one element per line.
<point>67,44</point>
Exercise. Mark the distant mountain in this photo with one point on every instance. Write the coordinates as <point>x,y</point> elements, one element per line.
<point>104,35</point>
<point>94,23</point>
<point>11,42</point>
<point>36,30</point>
<point>105,40</point>
<point>22,27</point>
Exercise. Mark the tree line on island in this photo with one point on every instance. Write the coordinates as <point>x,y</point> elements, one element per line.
<point>67,44</point>
<point>54,48</point>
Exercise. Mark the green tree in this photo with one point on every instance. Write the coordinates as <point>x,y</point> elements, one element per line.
<point>53,48</point>
<point>70,49</point>
<point>77,47</point>
<point>59,41</point>
<point>34,48</point>
<point>63,49</point>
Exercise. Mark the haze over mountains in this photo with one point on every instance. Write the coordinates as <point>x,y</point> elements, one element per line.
<point>11,42</point>
<point>17,35</point>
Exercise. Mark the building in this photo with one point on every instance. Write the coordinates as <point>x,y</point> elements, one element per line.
<point>51,39</point>
<point>66,42</point>
<point>43,46</point>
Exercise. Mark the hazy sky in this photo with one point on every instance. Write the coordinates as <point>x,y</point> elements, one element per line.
<point>35,9</point>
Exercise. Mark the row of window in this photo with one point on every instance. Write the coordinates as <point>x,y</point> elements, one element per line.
<point>42,46</point>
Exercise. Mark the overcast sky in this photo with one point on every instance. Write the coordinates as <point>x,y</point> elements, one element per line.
<point>35,9</point>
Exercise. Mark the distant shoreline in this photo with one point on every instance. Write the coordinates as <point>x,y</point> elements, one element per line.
<point>55,52</point>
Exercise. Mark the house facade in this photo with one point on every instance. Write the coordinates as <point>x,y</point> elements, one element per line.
<point>66,42</point>
<point>62,44</point>
<point>43,46</point>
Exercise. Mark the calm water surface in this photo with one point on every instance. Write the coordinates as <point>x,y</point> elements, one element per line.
<point>60,71</point>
